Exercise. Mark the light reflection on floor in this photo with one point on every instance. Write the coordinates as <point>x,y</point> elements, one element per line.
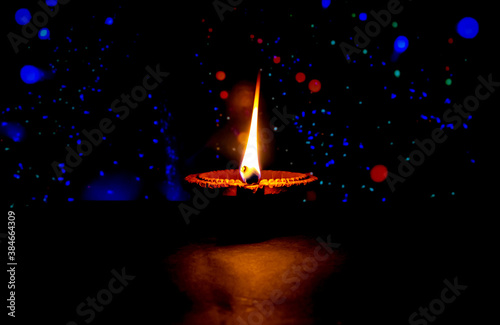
<point>262,283</point>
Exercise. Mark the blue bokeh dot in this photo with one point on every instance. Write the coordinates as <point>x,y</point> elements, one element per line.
<point>401,44</point>
<point>23,16</point>
<point>31,74</point>
<point>468,27</point>
<point>44,33</point>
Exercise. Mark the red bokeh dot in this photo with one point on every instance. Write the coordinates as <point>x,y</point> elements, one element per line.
<point>447,68</point>
<point>314,85</point>
<point>378,173</point>
<point>450,40</point>
<point>210,30</point>
<point>276,59</point>
<point>220,75</point>
<point>259,41</point>
<point>252,36</point>
<point>300,77</point>
<point>224,94</point>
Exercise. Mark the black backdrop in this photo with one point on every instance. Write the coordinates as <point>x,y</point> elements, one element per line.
<point>399,252</point>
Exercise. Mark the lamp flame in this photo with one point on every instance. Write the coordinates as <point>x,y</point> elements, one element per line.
<point>249,168</point>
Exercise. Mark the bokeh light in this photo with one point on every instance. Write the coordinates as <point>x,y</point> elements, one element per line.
<point>276,59</point>
<point>109,21</point>
<point>401,44</point>
<point>51,3</point>
<point>44,33</point>
<point>314,86</point>
<point>31,74</point>
<point>224,94</point>
<point>378,173</point>
<point>23,16</point>
<point>220,75</point>
<point>300,77</point>
<point>363,16</point>
<point>468,27</point>
<point>325,3</point>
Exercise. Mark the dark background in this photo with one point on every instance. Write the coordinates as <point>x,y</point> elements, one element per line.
<point>399,251</point>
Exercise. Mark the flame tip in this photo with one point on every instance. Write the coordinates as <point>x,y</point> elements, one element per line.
<point>249,168</point>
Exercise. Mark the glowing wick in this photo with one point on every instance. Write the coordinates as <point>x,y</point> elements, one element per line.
<point>249,168</point>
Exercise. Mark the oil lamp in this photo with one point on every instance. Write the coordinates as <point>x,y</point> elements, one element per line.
<point>249,176</point>
<point>244,271</point>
